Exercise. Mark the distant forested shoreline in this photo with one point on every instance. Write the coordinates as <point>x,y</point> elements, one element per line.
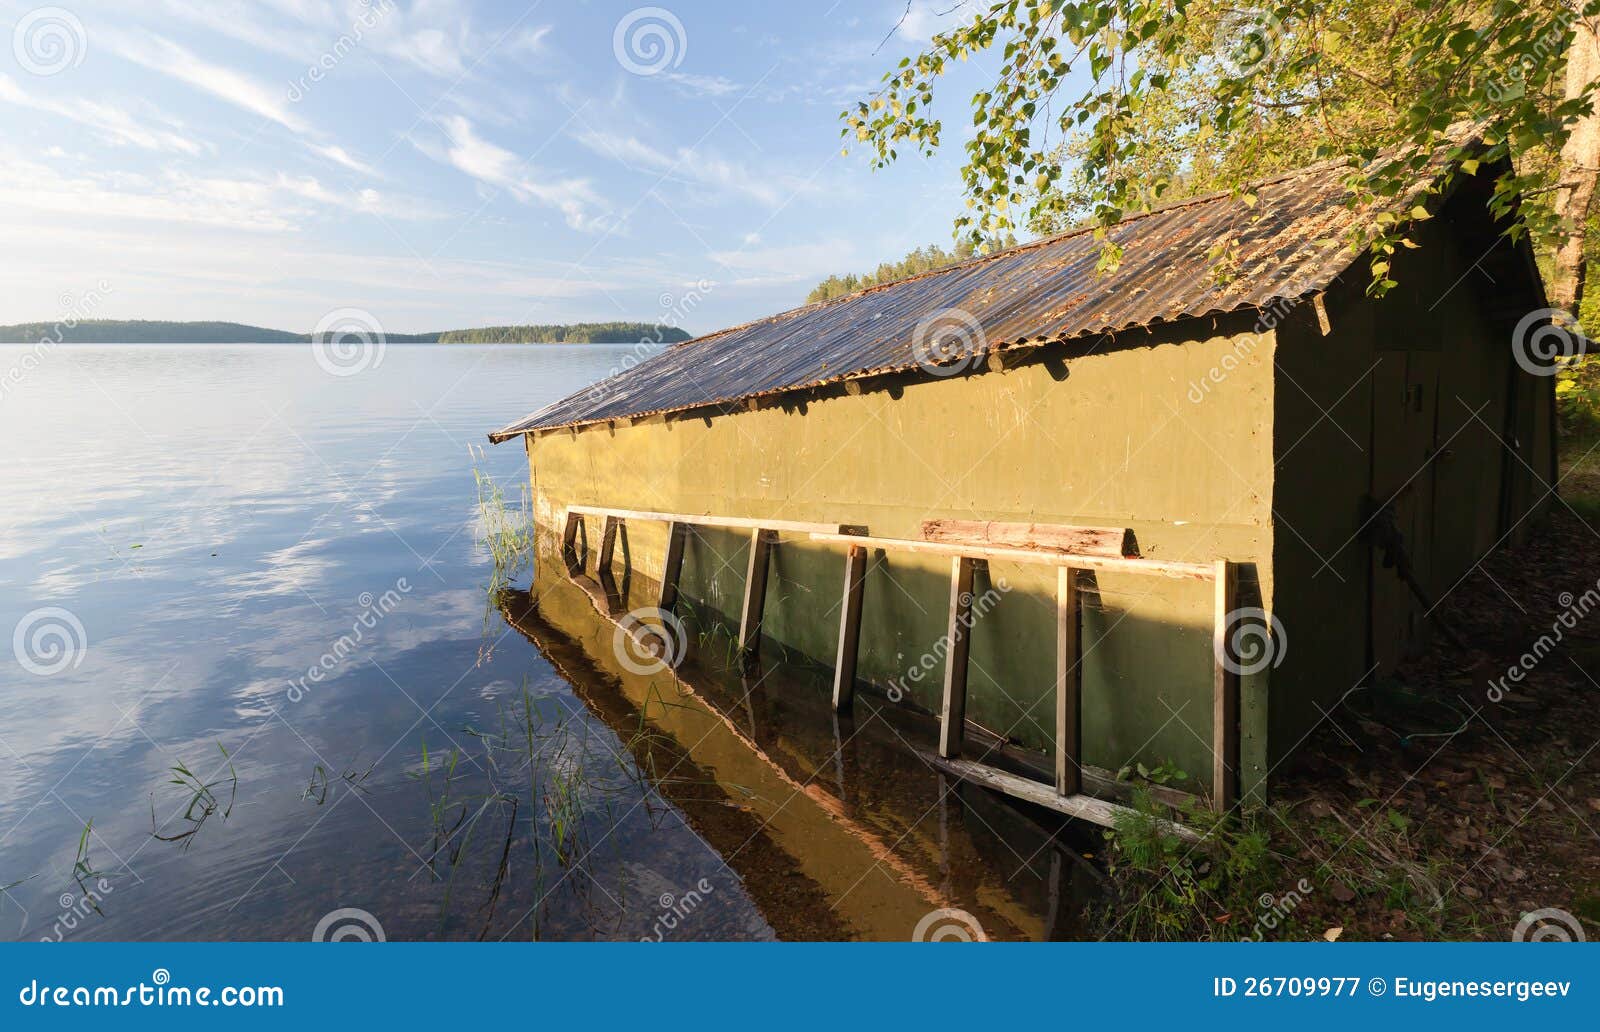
<point>157,331</point>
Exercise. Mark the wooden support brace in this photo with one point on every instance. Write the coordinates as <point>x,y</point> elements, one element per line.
<point>608,543</point>
<point>1069,687</point>
<point>569,532</point>
<point>672,566</point>
<point>1224,695</point>
<point>844,667</point>
<point>953,716</point>
<point>755,592</point>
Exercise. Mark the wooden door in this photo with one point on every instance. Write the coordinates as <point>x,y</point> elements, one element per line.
<point>1404,418</point>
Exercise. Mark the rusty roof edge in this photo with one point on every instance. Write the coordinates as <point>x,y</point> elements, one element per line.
<point>529,424</point>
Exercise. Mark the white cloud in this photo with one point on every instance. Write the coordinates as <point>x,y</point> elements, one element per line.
<point>435,36</point>
<point>162,55</point>
<point>285,280</point>
<point>277,204</point>
<point>113,123</point>
<point>237,204</point>
<point>694,166</point>
<point>339,156</point>
<point>786,264</point>
<point>242,21</point>
<point>923,18</point>
<point>497,167</point>
<point>233,87</point>
<point>703,85</point>
<point>529,41</point>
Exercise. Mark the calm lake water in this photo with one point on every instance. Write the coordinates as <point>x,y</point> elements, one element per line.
<point>188,531</point>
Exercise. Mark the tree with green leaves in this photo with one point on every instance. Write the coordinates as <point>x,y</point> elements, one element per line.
<point>1103,108</point>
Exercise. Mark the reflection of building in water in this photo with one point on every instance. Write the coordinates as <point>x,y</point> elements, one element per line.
<point>836,828</point>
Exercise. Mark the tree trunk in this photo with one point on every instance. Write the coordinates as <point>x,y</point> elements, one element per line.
<point>1580,164</point>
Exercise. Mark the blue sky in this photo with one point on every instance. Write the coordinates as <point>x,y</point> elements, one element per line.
<point>452,162</point>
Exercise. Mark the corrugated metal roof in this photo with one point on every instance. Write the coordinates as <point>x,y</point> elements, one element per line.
<point>1210,255</point>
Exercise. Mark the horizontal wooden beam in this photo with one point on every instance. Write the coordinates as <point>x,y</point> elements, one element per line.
<point>1082,806</point>
<point>1114,542</point>
<point>735,522</point>
<point>1038,557</point>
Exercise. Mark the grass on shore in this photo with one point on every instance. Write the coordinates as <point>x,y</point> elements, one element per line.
<point>1429,812</point>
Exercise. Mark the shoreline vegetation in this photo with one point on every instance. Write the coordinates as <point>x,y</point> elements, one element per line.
<point>150,331</point>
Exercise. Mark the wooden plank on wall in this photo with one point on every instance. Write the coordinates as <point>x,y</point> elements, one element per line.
<point>755,592</point>
<point>1112,542</point>
<point>844,667</point>
<point>672,566</point>
<point>1069,681</point>
<point>1224,694</point>
<point>953,715</point>
<point>1032,556</point>
<point>733,522</point>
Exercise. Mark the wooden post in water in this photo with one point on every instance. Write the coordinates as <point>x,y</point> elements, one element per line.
<point>844,667</point>
<point>1069,690</point>
<point>953,717</point>
<point>569,531</point>
<point>608,543</point>
<point>672,566</point>
<point>755,592</point>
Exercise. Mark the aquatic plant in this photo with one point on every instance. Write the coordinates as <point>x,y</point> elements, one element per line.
<point>506,530</point>
<point>83,871</point>
<point>202,802</point>
<point>317,784</point>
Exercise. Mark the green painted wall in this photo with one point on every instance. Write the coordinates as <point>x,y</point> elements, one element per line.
<point>1172,437</point>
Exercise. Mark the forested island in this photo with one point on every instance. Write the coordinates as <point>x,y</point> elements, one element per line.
<point>160,331</point>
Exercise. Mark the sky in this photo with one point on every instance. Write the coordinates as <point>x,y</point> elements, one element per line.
<point>453,163</point>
